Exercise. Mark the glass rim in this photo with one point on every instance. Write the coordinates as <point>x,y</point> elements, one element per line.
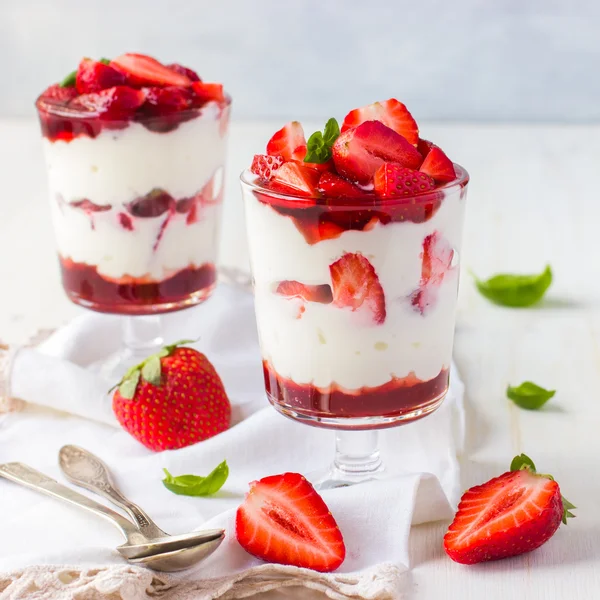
<point>62,110</point>
<point>249,180</point>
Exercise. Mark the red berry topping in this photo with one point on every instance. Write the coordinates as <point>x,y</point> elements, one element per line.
<point>360,151</point>
<point>153,204</point>
<point>391,113</point>
<point>118,103</point>
<point>507,516</point>
<point>90,207</point>
<point>166,100</point>
<point>310,293</point>
<point>438,166</point>
<point>392,180</point>
<point>293,178</point>
<point>205,92</point>
<point>334,186</point>
<point>144,70</point>
<point>58,94</point>
<point>191,75</point>
<point>356,284</point>
<point>288,142</point>
<point>94,76</point>
<point>173,400</point>
<point>264,165</point>
<point>284,520</point>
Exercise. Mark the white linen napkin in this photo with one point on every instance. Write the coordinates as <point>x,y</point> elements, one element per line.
<point>51,550</point>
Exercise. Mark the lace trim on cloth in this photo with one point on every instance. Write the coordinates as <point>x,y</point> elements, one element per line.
<point>383,582</point>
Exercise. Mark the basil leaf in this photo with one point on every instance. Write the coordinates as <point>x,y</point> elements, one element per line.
<point>195,485</point>
<point>69,80</point>
<point>515,290</point>
<point>529,395</point>
<point>318,146</point>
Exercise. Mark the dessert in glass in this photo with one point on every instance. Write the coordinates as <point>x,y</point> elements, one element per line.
<point>354,241</point>
<point>135,155</point>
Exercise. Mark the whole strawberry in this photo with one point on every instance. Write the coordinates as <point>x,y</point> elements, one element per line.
<point>173,399</point>
<point>507,516</point>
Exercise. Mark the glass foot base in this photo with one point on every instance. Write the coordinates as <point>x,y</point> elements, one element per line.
<point>334,477</point>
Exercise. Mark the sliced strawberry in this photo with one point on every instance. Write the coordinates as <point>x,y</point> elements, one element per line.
<point>59,94</point>
<point>144,70</point>
<point>334,186</point>
<point>392,180</point>
<point>318,231</point>
<point>391,113</point>
<point>360,151</point>
<point>284,520</point>
<point>205,92</point>
<point>326,166</point>
<point>436,259</point>
<point>117,103</point>
<point>355,283</point>
<point>288,142</point>
<point>293,178</point>
<point>311,293</point>
<point>93,76</point>
<point>424,146</point>
<point>166,100</point>
<point>264,165</point>
<point>507,516</point>
<point>191,75</point>
<point>438,166</point>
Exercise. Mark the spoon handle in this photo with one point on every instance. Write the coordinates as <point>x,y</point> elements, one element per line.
<point>84,469</point>
<point>30,478</point>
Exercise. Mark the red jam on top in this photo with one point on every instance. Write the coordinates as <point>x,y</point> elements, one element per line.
<point>374,169</point>
<point>133,87</point>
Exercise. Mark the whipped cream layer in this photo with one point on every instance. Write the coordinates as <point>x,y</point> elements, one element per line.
<point>119,166</point>
<point>328,344</point>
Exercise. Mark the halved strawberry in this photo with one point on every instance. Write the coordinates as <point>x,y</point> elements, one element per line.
<point>93,76</point>
<point>311,293</point>
<point>293,178</point>
<point>424,146</point>
<point>264,165</point>
<point>205,92</point>
<point>356,284</point>
<point>288,142</point>
<point>392,181</point>
<point>144,70</point>
<point>284,520</point>
<point>116,103</point>
<point>507,516</point>
<point>166,100</point>
<point>391,113</point>
<point>334,186</point>
<point>360,151</point>
<point>189,73</point>
<point>438,166</point>
<point>436,259</point>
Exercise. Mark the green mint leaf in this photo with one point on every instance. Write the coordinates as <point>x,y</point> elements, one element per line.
<point>318,146</point>
<point>529,395</point>
<point>151,370</point>
<point>129,384</point>
<point>69,80</point>
<point>522,462</point>
<point>105,61</point>
<point>516,291</point>
<point>195,485</point>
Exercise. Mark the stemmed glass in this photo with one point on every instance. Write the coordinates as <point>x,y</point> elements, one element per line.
<point>136,205</point>
<point>355,307</point>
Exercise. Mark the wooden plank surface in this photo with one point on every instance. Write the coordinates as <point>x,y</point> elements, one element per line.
<point>534,199</point>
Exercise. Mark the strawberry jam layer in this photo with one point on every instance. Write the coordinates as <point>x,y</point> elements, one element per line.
<point>84,285</point>
<point>405,399</point>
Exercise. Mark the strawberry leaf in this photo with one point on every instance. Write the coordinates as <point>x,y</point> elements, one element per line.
<point>105,61</point>
<point>318,147</point>
<point>69,80</point>
<point>516,291</point>
<point>174,345</point>
<point>151,370</point>
<point>129,384</point>
<point>195,485</point>
<point>528,395</point>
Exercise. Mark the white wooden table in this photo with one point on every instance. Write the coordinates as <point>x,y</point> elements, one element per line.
<point>534,199</point>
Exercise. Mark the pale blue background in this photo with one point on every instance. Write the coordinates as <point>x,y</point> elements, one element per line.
<point>474,60</point>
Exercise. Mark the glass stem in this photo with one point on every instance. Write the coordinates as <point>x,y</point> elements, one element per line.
<point>357,454</point>
<point>142,335</point>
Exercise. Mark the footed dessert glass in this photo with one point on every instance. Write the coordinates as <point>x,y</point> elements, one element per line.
<point>136,204</point>
<point>355,307</point>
